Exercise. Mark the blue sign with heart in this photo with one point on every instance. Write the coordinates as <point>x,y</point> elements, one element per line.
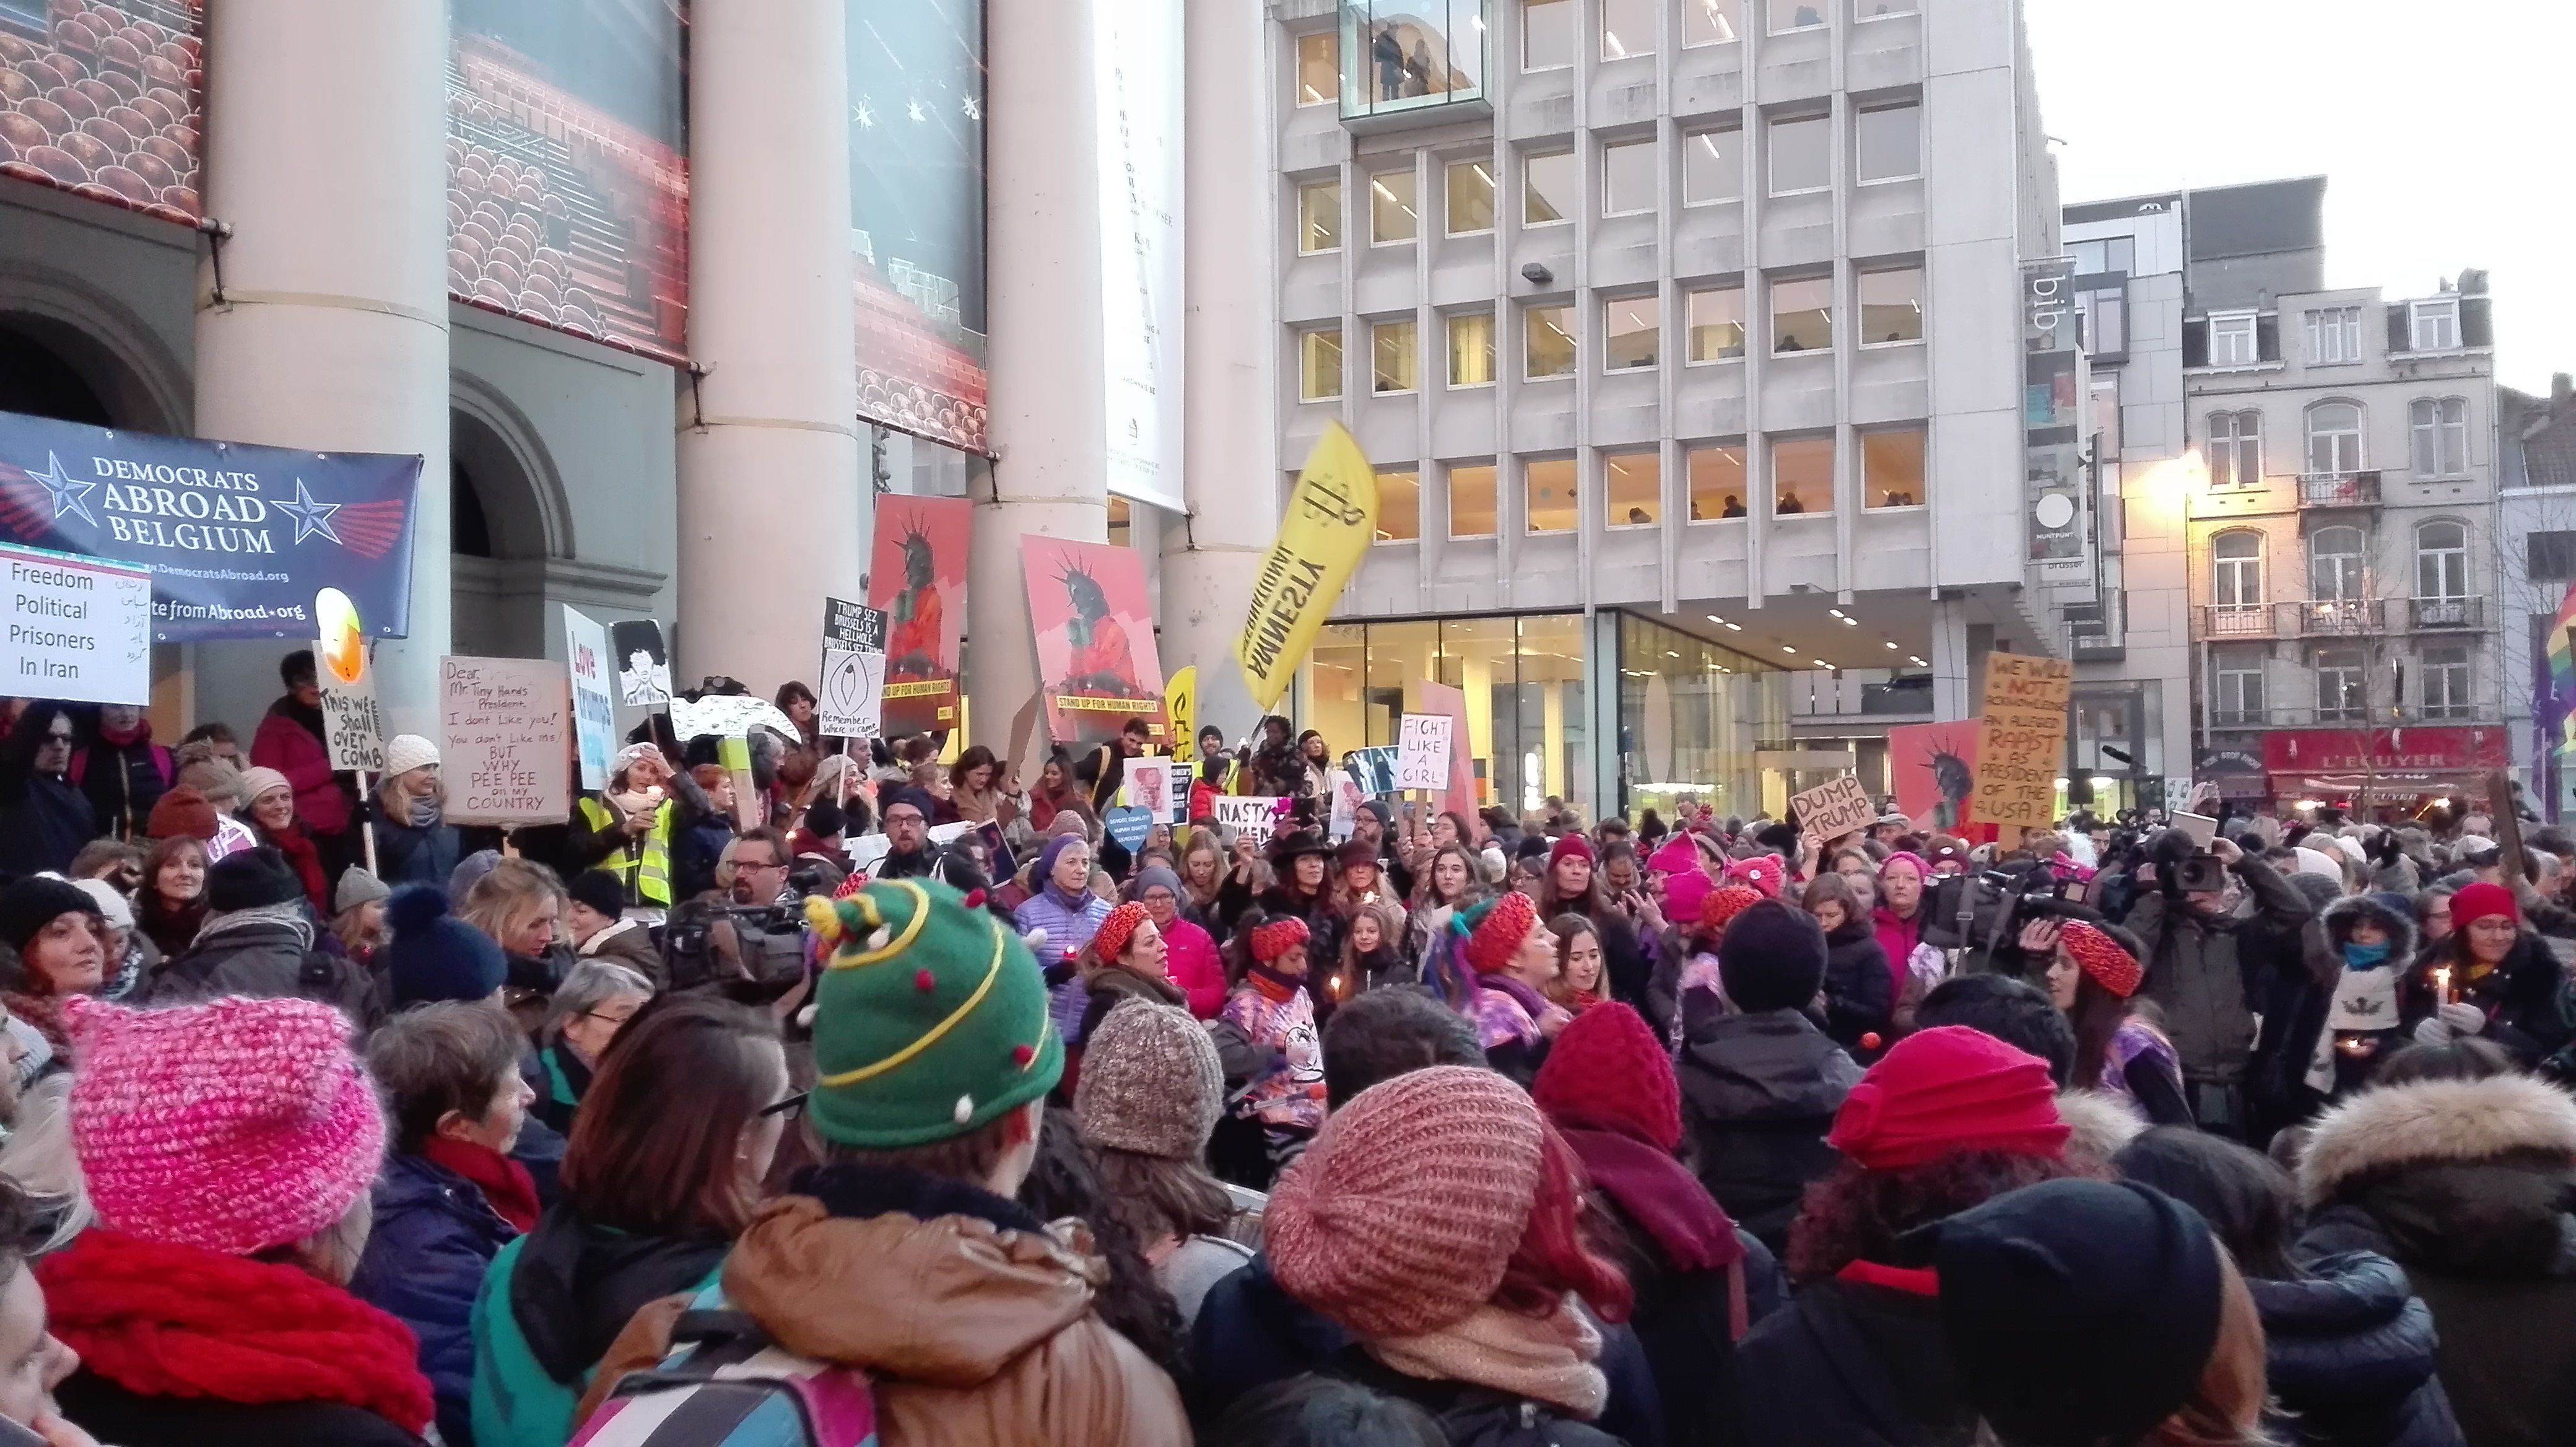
<point>1129,827</point>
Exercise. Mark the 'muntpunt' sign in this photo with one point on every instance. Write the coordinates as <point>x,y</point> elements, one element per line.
<point>238,538</point>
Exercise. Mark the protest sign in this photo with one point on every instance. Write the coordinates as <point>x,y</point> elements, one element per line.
<point>1097,667</point>
<point>917,578</point>
<point>1149,786</point>
<point>1372,768</point>
<point>2021,740</point>
<point>1440,698</point>
<point>1247,813</point>
<point>643,664</point>
<point>1422,751</point>
<point>353,728</point>
<point>1345,818</point>
<point>502,724</point>
<point>1833,809</point>
<point>1331,521</point>
<point>728,715</point>
<point>854,665</point>
<point>1934,769</point>
<point>1129,827</point>
<point>238,538</point>
<point>594,708</point>
<point>79,629</point>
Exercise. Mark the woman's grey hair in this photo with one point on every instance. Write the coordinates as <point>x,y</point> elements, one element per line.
<point>39,1156</point>
<point>591,984</point>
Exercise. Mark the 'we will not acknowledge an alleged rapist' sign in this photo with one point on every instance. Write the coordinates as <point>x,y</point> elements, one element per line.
<point>2021,740</point>
<point>77,629</point>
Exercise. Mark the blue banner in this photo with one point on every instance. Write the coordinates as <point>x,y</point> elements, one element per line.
<point>239,538</point>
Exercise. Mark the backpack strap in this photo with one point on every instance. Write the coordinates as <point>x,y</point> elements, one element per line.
<point>1738,1314</point>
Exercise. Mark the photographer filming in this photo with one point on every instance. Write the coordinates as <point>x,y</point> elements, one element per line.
<point>2196,943</point>
<point>747,930</point>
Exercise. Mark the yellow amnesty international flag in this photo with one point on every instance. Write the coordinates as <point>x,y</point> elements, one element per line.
<point>1332,519</point>
<point>1181,707</point>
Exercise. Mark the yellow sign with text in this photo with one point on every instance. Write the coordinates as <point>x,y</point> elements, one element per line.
<point>1331,520</point>
<point>1181,708</point>
<point>2021,740</point>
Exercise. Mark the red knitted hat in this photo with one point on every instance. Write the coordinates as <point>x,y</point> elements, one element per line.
<point>1725,904</point>
<point>2111,967</point>
<point>1949,1089</point>
<point>1274,938</point>
<point>1110,940</point>
<point>2482,901</point>
<point>1403,1214</point>
<point>1571,844</point>
<point>1496,936</point>
<point>1607,1071</point>
<point>1764,872</point>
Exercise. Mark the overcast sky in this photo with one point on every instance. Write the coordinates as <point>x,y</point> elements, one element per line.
<point>2446,132</point>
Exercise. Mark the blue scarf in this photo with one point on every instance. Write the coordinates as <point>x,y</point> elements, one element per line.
<point>2364,957</point>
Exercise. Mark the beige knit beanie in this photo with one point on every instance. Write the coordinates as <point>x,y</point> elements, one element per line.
<point>1151,1082</point>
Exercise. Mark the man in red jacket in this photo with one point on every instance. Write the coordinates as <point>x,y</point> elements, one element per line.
<point>290,740</point>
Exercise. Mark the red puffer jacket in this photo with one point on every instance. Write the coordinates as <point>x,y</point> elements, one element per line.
<point>283,743</point>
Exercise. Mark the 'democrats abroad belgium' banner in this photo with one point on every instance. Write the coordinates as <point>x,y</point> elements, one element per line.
<point>1097,665</point>
<point>239,538</point>
<point>1331,520</point>
<point>918,580</point>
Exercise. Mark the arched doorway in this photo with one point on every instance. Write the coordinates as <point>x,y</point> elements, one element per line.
<point>38,381</point>
<point>500,538</point>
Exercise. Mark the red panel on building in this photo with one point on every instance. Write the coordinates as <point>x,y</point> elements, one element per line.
<point>2383,751</point>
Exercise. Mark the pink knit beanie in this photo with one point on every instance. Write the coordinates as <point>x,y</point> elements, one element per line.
<point>1403,1214</point>
<point>232,1126</point>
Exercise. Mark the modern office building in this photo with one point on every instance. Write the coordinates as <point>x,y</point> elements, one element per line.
<point>1695,342</point>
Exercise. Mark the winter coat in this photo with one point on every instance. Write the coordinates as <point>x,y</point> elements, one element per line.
<point>292,744</point>
<point>1684,1320</point>
<point>113,1414</point>
<point>123,782</point>
<point>560,1080</point>
<point>1109,985</point>
<point>434,1238</point>
<point>552,1304</point>
<point>628,943</point>
<point>2306,994</point>
<point>1759,1092</point>
<point>1897,939</point>
<point>2467,1185</point>
<point>2520,995</point>
<point>1848,1364</point>
<point>2195,975</point>
<point>972,1318</point>
<point>1860,997</point>
<point>1195,966</point>
<point>406,854</point>
<point>44,826</point>
<point>2349,1357</point>
<point>1069,922</point>
<point>268,958</point>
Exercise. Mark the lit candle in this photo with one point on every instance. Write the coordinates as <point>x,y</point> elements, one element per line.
<point>2442,983</point>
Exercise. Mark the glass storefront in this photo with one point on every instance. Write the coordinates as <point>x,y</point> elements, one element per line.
<point>1691,715</point>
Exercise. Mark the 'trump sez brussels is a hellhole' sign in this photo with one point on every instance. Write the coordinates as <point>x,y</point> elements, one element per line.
<point>77,629</point>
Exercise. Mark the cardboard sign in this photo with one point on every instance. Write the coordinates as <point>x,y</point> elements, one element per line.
<point>1422,751</point>
<point>79,629</point>
<point>643,664</point>
<point>1439,698</point>
<point>730,715</point>
<point>502,730</point>
<point>1129,827</point>
<point>852,697</point>
<point>1345,819</point>
<point>353,728</point>
<point>1149,786</point>
<point>1181,782</point>
<point>594,706</point>
<point>2021,740</point>
<point>1833,809</point>
<point>1247,813</point>
<point>853,626</point>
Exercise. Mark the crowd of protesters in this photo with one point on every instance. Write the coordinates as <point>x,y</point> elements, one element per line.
<point>870,1097</point>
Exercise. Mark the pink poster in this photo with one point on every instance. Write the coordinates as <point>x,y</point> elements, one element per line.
<point>1095,636</point>
<point>1440,698</point>
<point>1934,769</point>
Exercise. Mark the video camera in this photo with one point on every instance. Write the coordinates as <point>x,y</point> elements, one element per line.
<point>1987,910</point>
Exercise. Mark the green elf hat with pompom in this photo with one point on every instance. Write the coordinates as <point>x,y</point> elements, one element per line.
<point>930,1019</point>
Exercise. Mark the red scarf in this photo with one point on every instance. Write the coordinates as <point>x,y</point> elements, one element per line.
<point>1277,988</point>
<point>1583,1000</point>
<point>1912,1280</point>
<point>182,1321</point>
<point>300,852</point>
<point>504,1182</point>
<point>1663,1198</point>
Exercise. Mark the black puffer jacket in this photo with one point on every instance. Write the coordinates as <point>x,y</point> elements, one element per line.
<point>1859,991</point>
<point>2349,1353</point>
<point>1759,1092</point>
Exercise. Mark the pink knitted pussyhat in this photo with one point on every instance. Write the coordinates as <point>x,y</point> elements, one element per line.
<point>233,1126</point>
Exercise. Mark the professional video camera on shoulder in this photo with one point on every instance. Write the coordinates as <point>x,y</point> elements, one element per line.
<point>1984,912</point>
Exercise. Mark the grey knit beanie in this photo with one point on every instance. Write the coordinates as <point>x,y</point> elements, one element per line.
<point>358,887</point>
<point>1151,1083</point>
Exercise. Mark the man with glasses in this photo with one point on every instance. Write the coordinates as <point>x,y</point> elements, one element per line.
<point>907,828</point>
<point>741,931</point>
<point>44,819</point>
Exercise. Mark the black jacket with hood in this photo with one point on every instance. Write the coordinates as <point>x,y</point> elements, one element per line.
<point>1759,1092</point>
<point>2295,992</point>
<point>2349,1357</point>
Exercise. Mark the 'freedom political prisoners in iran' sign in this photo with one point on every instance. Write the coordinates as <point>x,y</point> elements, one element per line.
<point>238,538</point>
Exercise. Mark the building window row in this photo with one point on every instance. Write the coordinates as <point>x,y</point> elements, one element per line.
<point>2438,434</point>
<point>2334,334</point>
<point>2338,567</point>
<point>1549,29</point>
<point>2345,692</point>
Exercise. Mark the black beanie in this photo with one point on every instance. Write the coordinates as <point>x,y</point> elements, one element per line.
<point>1772,957</point>
<point>31,904</point>
<point>599,889</point>
<point>2078,1311</point>
<point>824,819</point>
<point>250,879</point>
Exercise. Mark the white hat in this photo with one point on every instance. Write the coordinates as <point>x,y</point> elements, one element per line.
<point>2313,861</point>
<point>257,781</point>
<point>406,752</point>
<point>110,903</point>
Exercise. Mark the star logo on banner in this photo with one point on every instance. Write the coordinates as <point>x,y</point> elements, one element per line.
<point>310,517</point>
<point>67,491</point>
<point>974,109</point>
<point>913,109</point>
<point>864,115</point>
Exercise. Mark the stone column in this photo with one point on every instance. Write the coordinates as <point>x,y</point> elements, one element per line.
<point>774,515</point>
<point>1043,304</point>
<point>326,127</point>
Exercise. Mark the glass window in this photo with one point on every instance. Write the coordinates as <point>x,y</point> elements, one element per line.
<point>1632,487</point>
<point>1802,314</point>
<point>1319,364</point>
<point>2548,556</point>
<point>1547,337</point>
<point>1890,142</point>
<point>1471,197</point>
<point>1712,166</point>
<point>1471,501</point>
<point>1891,466</point>
<point>1802,154</point>
<point>2234,340</point>
<point>1399,505</point>
<point>2334,335</point>
<point>1795,14</point>
<point>1319,216</point>
<point>1628,330</point>
<point>1710,22</point>
<point>1318,69</point>
<point>1396,348</point>
<point>2442,561</point>
<point>2342,685</point>
<point>1547,34</point>
<point>1881,9</point>
<point>1549,494</point>
<point>2335,566</point>
<point>2238,679</point>
<point>2446,682</point>
<point>2102,321</point>
<point>1408,58</point>
<point>1716,317</point>
<point>2436,324</point>
<point>2106,254</point>
<point>2236,570</point>
<point>1471,350</point>
<point>1628,28</point>
<point>1547,188</point>
<point>1716,481</point>
<point>2334,437</point>
<point>1391,213</point>
<point>1891,305</point>
<point>1554,756</point>
<point>1628,177</point>
<point>2441,434</point>
<point>2235,449</point>
<point>1802,476</point>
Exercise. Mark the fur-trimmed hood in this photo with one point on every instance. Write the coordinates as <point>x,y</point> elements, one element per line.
<point>2340,916</point>
<point>2436,1122</point>
<point>2102,1124</point>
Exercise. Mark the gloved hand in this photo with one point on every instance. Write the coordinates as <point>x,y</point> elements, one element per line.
<point>2463,1019</point>
<point>2431,1031</point>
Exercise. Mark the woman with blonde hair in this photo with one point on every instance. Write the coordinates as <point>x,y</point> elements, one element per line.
<point>414,842</point>
<point>519,904</point>
<point>1446,882</point>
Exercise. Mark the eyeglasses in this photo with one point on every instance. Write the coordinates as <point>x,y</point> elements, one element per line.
<point>893,819</point>
<point>792,1105</point>
<point>760,864</point>
<point>610,1019</point>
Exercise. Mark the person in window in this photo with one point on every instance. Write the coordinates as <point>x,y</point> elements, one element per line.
<point>1807,15</point>
<point>1789,504</point>
<point>1388,52</point>
<point>1734,507</point>
<point>1899,499</point>
<point>1637,516</point>
<point>1418,69</point>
